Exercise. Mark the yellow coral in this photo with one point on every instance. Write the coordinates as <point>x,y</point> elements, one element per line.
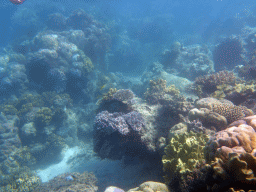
<point>184,153</point>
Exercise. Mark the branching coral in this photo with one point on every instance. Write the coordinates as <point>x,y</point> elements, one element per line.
<point>208,83</point>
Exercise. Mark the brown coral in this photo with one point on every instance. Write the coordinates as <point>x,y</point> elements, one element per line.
<point>208,83</point>
<point>239,138</point>
<point>158,91</point>
<point>238,173</point>
<point>224,108</point>
<point>237,93</point>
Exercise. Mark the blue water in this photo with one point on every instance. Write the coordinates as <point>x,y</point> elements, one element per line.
<point>125,41</point>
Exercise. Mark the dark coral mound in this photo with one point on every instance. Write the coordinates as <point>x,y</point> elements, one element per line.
<point>56,21</point>
<point>117,101</point>
<point>227,54</point>
<point>118,134</point>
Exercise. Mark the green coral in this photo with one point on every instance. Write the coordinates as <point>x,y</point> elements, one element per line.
<point>183,153</point>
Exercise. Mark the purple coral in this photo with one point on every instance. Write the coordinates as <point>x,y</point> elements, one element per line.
<point>134,120</point>
<point>123,123</point>
<point>111,122</point>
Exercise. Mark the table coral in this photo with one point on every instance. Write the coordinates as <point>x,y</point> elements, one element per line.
<point>184,153</point>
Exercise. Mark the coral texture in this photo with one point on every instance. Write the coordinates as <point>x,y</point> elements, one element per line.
<point>237,93</point>
<point>117,133</point>
<point>151,186</point>
<point>183,153</point>
<point>239,138</point>
<point>238,173</point>
<point>208,83</point>
<point>77,182</point>
<point>117,101</point>
<point>218,113</point>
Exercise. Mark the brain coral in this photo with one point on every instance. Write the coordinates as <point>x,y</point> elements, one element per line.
<point>224,108</point>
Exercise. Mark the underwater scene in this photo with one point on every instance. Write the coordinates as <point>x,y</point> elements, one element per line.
<point>128,96</point>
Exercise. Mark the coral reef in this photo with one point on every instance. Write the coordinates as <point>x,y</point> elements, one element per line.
<point>194,61</point>
<point>236,174</point>
<point>159,93</point>
<point>227,54</point>
<point>77,182</point>
<point>183,153</point>
<point>12,78</point>
<point>151,186</point>
<point>169,57</point>
<point>208,84</point>
<point>232,158</point>
<point>23,179</point>
<point>238,93</point>
<point>97,40</point>
<point>217,113</point>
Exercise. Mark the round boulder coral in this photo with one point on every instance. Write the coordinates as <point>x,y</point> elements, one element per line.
<point>239,138</point>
